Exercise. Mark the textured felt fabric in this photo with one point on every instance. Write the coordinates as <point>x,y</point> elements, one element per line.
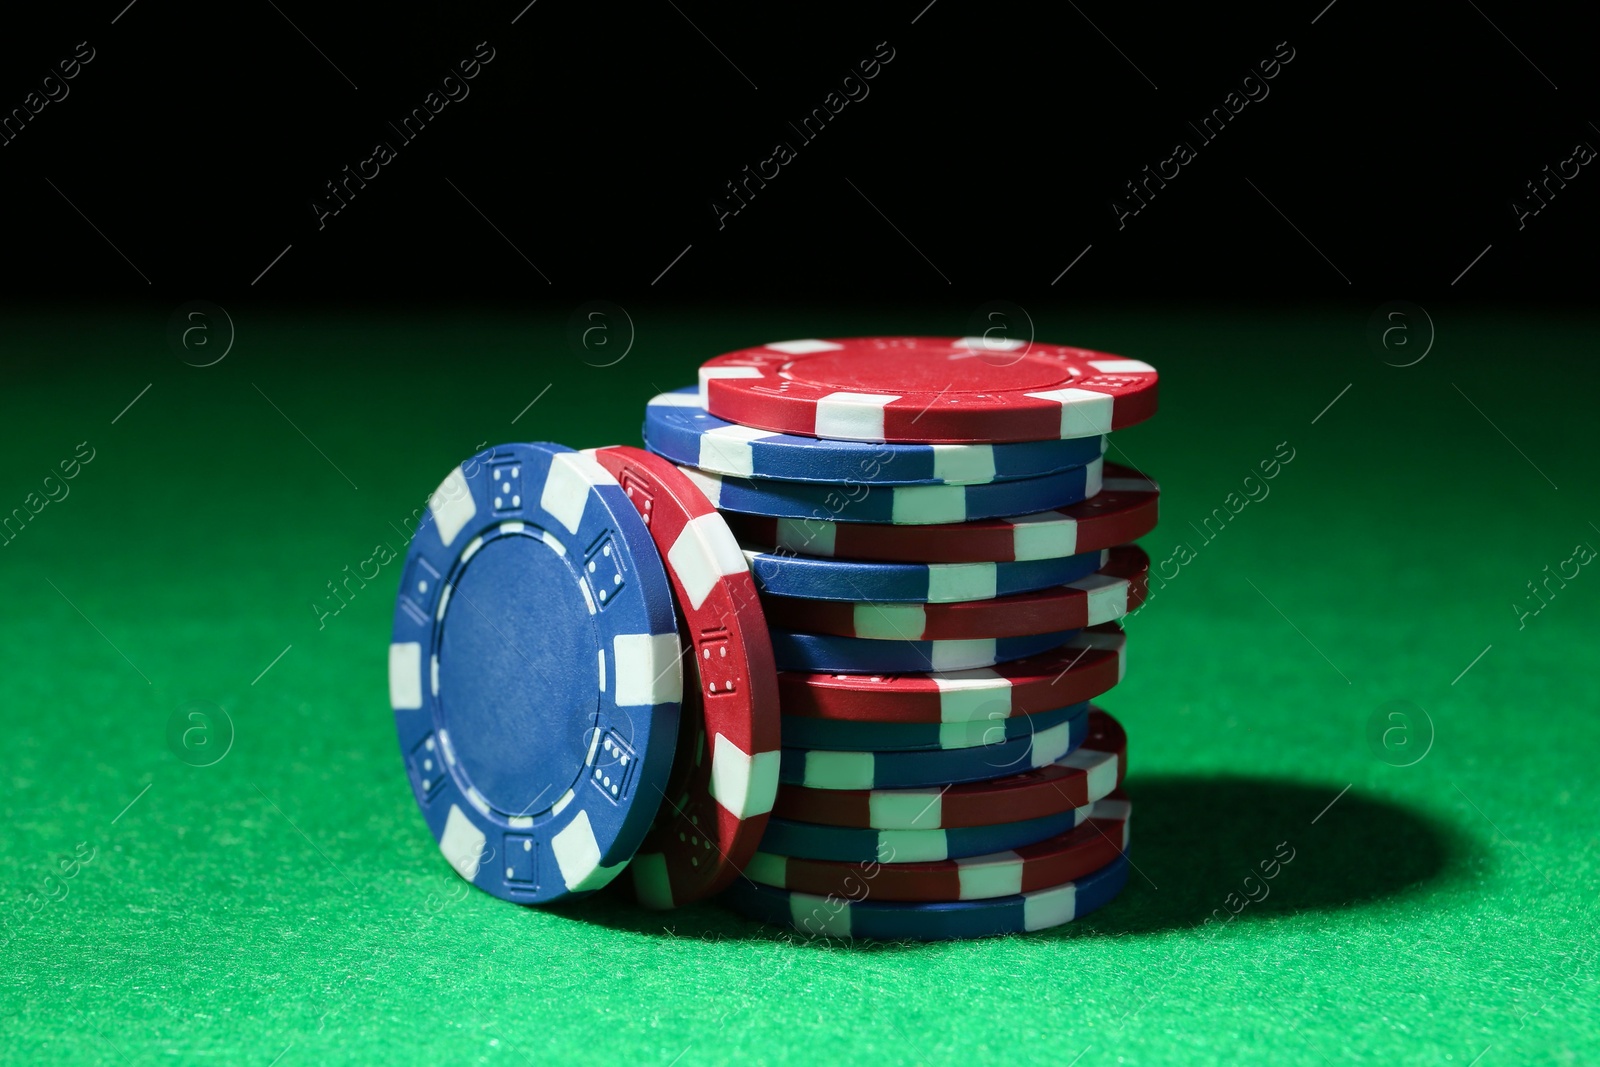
<point>286,901</point>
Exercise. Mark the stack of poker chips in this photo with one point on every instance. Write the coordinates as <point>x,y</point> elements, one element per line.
<point>826,652</point>
<point>942,556</point>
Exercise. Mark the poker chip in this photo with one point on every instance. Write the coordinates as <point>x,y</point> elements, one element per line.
<point>905,505</point>
<point>1123,511</point>
<point>928,389</point>
<point>1083,668</point>
<point>726,771</point>
<point>783,574</point>
<point>1062,858</point>
<point>1105,596</point>
<point>1040,909</point>
<point>854,655</point>
<point>678,427</point>
<point>844,844</point>
<point>820,769</point>
<point>534,673</point>
<point>1089,772</point>
<point>801,732</point>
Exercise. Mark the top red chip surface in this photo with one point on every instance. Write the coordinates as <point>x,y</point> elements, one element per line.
<point>938,390</point>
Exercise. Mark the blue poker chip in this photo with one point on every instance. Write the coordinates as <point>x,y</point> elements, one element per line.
<point>863,655</point>
<point>679,428</point>
<point>827,769</point>
<point>534,673</point>
<point>899,505</point>
<point>852,736</point>
<point>825,578</point>
<point>847,844</point>
<point>834,916</point>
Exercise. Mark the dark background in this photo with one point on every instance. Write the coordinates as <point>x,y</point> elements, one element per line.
<point>982,163</point>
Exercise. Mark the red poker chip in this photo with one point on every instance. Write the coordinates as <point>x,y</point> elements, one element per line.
<point>724,779</point>
<point>1063,858</point>
<point>1105,596</point>
<point>1079,670</point>
<point>1083,776</point>
<point>927,390</point>
<point>1123,511</point>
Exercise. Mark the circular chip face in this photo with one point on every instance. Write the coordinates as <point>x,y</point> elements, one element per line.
<point>1123,511</point>
<point>534,673</point>
<point>928,389</point>
<point>832,734</point>
<point>782,573</point>
<point>821,770</point>
<point>854,655</point>
<point>1084,775</point>
<point>1105,596</point>
<point>1079,851</point>
<point>1081,669</point>
<point>678,427</point>
<point>1039,909</point>
<point>906,505</point>
<point>814,841</point>
<point>727,771</point>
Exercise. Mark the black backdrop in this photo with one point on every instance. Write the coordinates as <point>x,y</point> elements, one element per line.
<point>586,156</point>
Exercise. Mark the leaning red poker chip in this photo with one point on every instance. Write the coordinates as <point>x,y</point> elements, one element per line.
<point>1105,596</point>
<point>1086,774</point>
<point>726,772</point>
<point>1058,859</point>
<point>1084,667</point>
<point>1123,511</point>
<point>931,390</point>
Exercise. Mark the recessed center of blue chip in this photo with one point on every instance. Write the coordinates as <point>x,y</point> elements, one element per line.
<point>518,675</point>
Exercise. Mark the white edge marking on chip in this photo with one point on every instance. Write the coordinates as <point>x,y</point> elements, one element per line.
<point>890,621</point>
<point>727,450</point>
<point>566,487</point>
<point>1050,907</point>
<point>1084,412</point>
<point>814,537</point>
<point>472,548</point>
<point>561,803</point>
<point>445,747</point>
<point>967,696</point>
<point>594,746</point>
<point>1109,808</point>
<point>1106,597</point>
<point>577,854</point>
<point>851,416</point>
<point>553,542</point>
<point>433,672</point>
<point>704,554</point>
<point>462,843</point>
<point>950,582</point>
<point>674,400</point>
<point>963,464</point>
<point>838,770</point>
<point>477,800</point>
<point>768,869</point>
<point>959,654</point>
<point>709,484</point>
<point>444,601</point>
<point>1094,476</point>
<point>708,373</point>
<point>925,504</point>
<point>650,881</point>
<point>905,809</point>
<point>825,916</point>
<point>1121,366</point>
<point>996,875</point>
<point>743,784</point>
<point>804,347</point>
<point>600,655</point>
<point>452,506</point>
<point>1050,745</point>
<point>1128,485</point>
<point>910,846</point>
<point>1047,535</point>
<point>649,669</point>
<point>405,676</point>
<point>991,344</point>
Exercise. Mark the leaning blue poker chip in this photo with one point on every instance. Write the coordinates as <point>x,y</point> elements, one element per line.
<point>679,428</point>
<point>535,673</point>
<point>861,655</point>
<point>835,916</point>
<point>900,505</point>
<point>783,573</point>
<point>825,769</point>
<point>848,844</point>
<point>851,736</point>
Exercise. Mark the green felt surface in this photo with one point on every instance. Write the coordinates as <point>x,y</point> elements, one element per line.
<point>288,902</point>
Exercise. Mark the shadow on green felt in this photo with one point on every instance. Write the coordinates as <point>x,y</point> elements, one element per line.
<point>1202,847</point>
